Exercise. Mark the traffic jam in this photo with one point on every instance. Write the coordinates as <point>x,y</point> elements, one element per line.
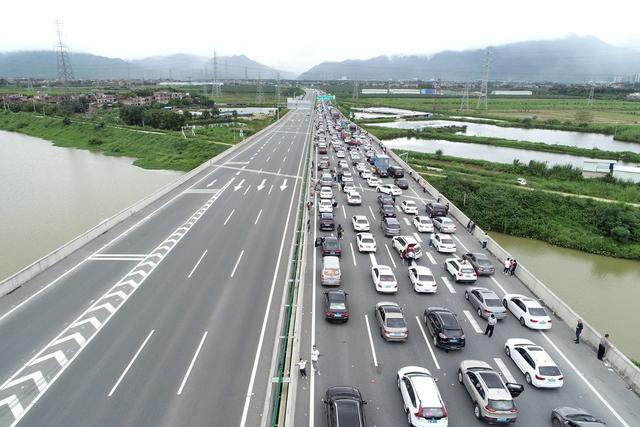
<point>438,321</point>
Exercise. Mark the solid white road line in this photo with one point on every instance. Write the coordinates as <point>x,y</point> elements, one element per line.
<point>237,263</point>
<point>461,244</point>
<point>498,284</point>
<point>268,158</point>
<point>258,217</point>
<point>270,188</point>
<point>372,258</point>
<point>344,212</point>
<point>406,221</point>
<point>247,190</point>
<point>372,214</point>
<point>193,361</point>
<point>417,237</point>
<point>584,379</point>
<point>448,285</point>
<point>197,264</point>
<point>433,355</point>
<point>227,220</point>
<point>284,159</point>
<point>505,371</point>
<point>431,258</point>
<point>390,256</point>
<point>472,320</point>
<point>353,254</point>
<point>373,350</point>
<point>398,209</point>
<point>417,195</point>
<point>135,356</point>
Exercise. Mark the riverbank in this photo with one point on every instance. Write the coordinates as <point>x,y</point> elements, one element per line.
<point>496,204</point>
<point>152,150</point>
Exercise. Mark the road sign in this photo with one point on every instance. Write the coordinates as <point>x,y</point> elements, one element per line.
<point>325,97</point>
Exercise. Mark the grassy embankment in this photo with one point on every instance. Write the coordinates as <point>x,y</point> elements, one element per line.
<point>167,150</point>
<point>486,192</point>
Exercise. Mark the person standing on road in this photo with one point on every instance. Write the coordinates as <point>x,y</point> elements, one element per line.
<point>491,323</point>
<point>473,227</point>
<point>507,266</point>
<point>469,225</point>
<point>315,354</point>
<point>446,209</point>
<point>514,265</point>
<point>604,345</point>
<point>484,241</point>
<point>340,231</point>
<point>302,366</point>
<point>309,224</point>
<point>579,328</point>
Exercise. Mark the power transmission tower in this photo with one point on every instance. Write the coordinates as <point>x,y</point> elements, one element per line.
<point>484,88</point>
<point>464,103</point>
<point>590,99</point>
<point>356,91</point>
<point>278,89</point>
<point>65,72</point>
<point>215,89</point>
<point>259,91</point>
<point>246,72</point>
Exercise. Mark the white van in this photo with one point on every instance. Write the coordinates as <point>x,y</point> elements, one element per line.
<point>331,273</point>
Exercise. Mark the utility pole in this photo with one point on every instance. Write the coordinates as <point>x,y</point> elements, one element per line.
<point>215,89</point>
<point>278,89</point>
<point>464,103</point>
<point>590,98</point>
<point>65,72</point>
<point>259,91</point>
<point>484,88</point>
<point>356,91</point>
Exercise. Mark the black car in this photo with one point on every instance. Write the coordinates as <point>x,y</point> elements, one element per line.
<point>443,325</point>
<point>383,173</point>
<point>331,246</point>
<point>327,223</point>
<point>385,199</point>
<point>480,263</point>
<point>435,209</point>
<point>343,406</point>
<point>401,183</point>
<point>572,417</point>
<point>387,211</point>
<point>335,306</point>
<point>395,171</point>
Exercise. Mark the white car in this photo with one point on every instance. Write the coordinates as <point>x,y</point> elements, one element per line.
<point>340,154</point>
<point>360,223</point>
<point>422,279</point>
<point>326,193</point>
<point>353,198</point>
<point>538,367</point>
<point>394,190</point>
<point>342,164</point>
<point>365,174</point>
<point>421,398</point>
<point>373,181</point>
<point>443,243</point>
<point>366,242</point>
<point>347,177</point>
<point>348,187</point>
<point>384,279</point>
<point>361,167</point>
<point>355,156</point>
<point>325,205</point>
<point>409,207</point>
<point>400,243</point>
<point>527,310</point>
<point>444,224</point>
<point>423,224</point>
<point>460,270</point>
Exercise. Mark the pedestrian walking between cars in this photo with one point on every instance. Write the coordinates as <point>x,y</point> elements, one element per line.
<point>491,323</point>
<point>315,354</point>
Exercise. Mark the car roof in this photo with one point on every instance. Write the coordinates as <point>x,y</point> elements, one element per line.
<point>409,202</point>
<point>426,389</point>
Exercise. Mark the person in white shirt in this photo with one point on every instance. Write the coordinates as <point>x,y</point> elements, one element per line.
<point>315,353</point>
<point>490,325</point>
<point>302,366</point>
<point>507,265</point>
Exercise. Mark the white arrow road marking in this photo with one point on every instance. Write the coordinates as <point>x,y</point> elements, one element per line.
<point>36,377</point>
<point>239,186</point>
<point>77,337</point>
<point>261,186</point>
<point>110,308</point>
<point>284,185</point>
<point>14,404</point>
<point>94,322</point>
<point>211,183</point>
<point>58,355</point>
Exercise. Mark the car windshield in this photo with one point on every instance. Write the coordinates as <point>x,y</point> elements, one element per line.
<point>337,305</point>
<point>549,371</point>
<point>493,303</point>
<point>501,405</point>
<point>466,270</point>
<point>425,278</point>
<point>387,278</point>
<point>484,262</point>
<point>329,244</point>
<point>446,241</point>
<point>396,322</point>
<point>432,413</point>
<point>425,221</point>
<point>537,311</point>
<point>582,417</point>
<point>367,240</point>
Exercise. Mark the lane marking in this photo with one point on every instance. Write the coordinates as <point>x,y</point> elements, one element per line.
<point>433,355</point>
<point>237,263</point>
<point>193,361</point>
<point>270,188</point>
<point>390,256</point>
<point>260,172</point>
<point>211,183</point>
<point>135,356</point>
<point>284,159</point>
<point>461,244</point>
<point>505,371</point>
<point>268,158</point>
<point>417,237</point>
<point>417,195</point>
<point>372,214</point>
<point>472,320</point>
<point>372,258</point>
<point>431,258</point>
<point>498,285</point>
<point>258,217</point>
<point>448,285</point>
<point>353,254</point>
<point>398,209</point>
<point>373,350</point>
<point>197,264</point>
<point>227,220</point>
<point>406,221</point>
<point>247,190</point>
<point>344,212</point>
<point>584,379</point>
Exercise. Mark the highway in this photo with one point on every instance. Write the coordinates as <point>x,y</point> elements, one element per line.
<point>170,317</point>
<point>355,354</point>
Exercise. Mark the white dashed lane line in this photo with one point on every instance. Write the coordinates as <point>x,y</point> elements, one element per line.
<point>505,371</point>
<point>448,285</point>
<point>472,320</point>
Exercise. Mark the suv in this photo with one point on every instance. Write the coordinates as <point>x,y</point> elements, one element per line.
<point>409,243</point>
<point>331,246</point>
<point>444,327</point>
<point>343,406</point>
<point>395,171</point>
<point>327,223</point>
<point>460,270</point>
<point>390,226</point>
<point>421,397</point>
<point>492,398</point>
<point>435,209</point>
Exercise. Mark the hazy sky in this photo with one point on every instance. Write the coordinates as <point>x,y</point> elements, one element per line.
<point>297,34</point>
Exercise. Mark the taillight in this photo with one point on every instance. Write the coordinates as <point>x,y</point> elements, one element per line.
<point>328,313</point>
<point>538,377</point>
<point>514,409</point>
<point>462,337</point>
<point>419,413</point>
<point>459,273</point>
<point>561,378</point>
<point>489,408</point>
<point>534,321</point>
<point>346,314</point>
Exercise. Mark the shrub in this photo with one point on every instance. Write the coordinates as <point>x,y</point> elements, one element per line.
<point>620,234</point>
<point>95,141</point>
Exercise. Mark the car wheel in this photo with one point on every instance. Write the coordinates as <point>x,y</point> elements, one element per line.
<point>435,340</point>
<point>557,423</point>
<point>459,376</point>
<point>507,351</point>
<point>409,418</point>
<point>398,381</point>
<point>378,190</point>
<point>466,295</point>
<point>527,377</point>
<point>476,411</point>
<point>504,303</point>
<point>479,313</point>
<point>522,321</point>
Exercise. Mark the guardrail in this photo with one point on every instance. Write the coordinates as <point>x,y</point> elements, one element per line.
<point>16,280</point>
<point>627,370</point>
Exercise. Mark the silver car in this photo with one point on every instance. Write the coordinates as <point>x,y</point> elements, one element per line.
<point>486,302</point>
<point>391,321</point>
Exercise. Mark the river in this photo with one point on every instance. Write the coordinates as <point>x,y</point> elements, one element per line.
<point>51,194</point>
<point>604,290</point>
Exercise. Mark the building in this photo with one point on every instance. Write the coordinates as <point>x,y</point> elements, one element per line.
<point>105,99</point>
<point>512,92</point>
<point>164,97</point>
<point>137,100</point>
<point>626,173</point>
<point>597,168</point>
